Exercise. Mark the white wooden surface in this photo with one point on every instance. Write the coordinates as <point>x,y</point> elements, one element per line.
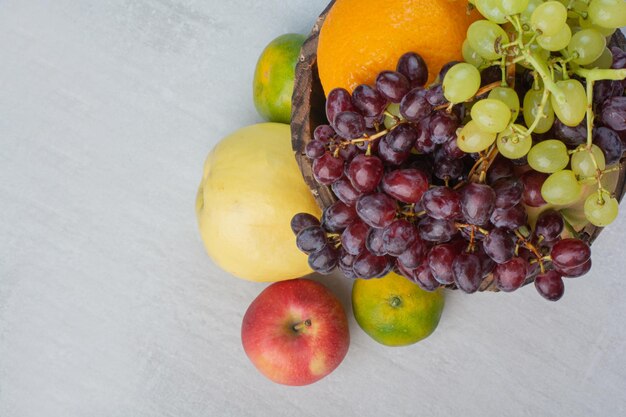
<point>109,305</point>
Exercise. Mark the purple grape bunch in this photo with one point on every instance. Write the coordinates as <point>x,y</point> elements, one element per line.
<point>409,201</point>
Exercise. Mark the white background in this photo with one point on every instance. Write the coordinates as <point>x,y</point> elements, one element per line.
<point>109,305</point>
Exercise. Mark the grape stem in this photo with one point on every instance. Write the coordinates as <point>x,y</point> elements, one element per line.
<point>544,72</point>
<point>540,114</point>
<point>531,248</point>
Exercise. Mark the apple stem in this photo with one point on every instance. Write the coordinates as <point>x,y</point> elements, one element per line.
<point>299,326</point>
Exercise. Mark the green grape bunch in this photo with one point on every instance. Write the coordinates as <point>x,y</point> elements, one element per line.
<point>561,49</point>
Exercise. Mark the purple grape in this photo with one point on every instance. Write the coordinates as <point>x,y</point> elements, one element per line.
<point>398,236</point>
<point>440,259</point>
<point>345,192</point>
<point>327,169</point>
<point>549,225</point>
<point>434,230</point>
<point>338,216</point>
<point>349,124</point>
<point>511,275</point>
<point>372,124</point>
<point>314,149</point>
<point>424,143</point>
<point>421,276</point>
<point>353,237</point>
<point>414,255</point>
<point>508,191</point>
<point>374,242</point>
<point>348,152</point>
<point>477,203</point>
<point>613,113</point>
<point>402,138</point>
<point>367,265</point>
<point>377,210</point>
<point>388,155</point>
<point>486,263</point>
<point>443,127</point>
<point>368,101</point>
<point>414,106</point>
<point>510,218</point>
<point>324,133</point>
<point>571,136</point>
<point>550,285</point>
<point>392,85</point>
<point>610,143</point>
<point>338,100</point>
<point>467,272</point>
<point>446,168</point>
<point>577,271</point>
<point>405,185</point>
<point>345,260</point>
<point>434,95</point>
<point>442,203</point>
<point>414,68</point>
<point>533,181</point>
<point>311,239</point>
<point>605,89</point>
<point>365,172</point>
<point>499,245</point>
<point>500,168</point>
<point>324,261</point>
<point>302,221</point>
<point>619,58</point>
<point>451,149</point>
<point>569,253</point>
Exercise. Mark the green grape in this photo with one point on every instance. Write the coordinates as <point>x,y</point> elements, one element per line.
<point>556,42</point>
<point>549,17</point>
<point>471,56</point>
<point>561,188</point>
<point>483,36</point>
<point>492,10</point>
<point>461,83</point>
<point>532,101</point>
<point>527,13</point>
<point>608,13</point>
<point>548,156</point>
<point>588,24</point>
<point>472,138</point>
<point>513,146</point>
<point>509,97</point>
<point>393,108</point>
<point>601,211</point>
<point>604,62</point>
<point>588,45</point>
<point>511,7</point>
<point>491,115</point>
<point>572,111</point>
<point>575,7</point>
<point>582,162</point>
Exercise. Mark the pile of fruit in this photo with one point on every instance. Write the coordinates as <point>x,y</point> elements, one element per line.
<point>467,146</point>
<point>437,182</point>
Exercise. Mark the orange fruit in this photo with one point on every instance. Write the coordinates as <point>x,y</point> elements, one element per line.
<point>274,76</point>
<point>361,38</point>
<point>395,311</point>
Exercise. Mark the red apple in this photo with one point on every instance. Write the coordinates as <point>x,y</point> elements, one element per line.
<point>295,332</point>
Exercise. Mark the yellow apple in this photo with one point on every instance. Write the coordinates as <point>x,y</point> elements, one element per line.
<point>250,190</point>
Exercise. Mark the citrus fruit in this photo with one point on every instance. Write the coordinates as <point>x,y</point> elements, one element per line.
<point>274,77</point>
<point>250,190</point>
<point>361,38</point>
<point>394,311</point>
